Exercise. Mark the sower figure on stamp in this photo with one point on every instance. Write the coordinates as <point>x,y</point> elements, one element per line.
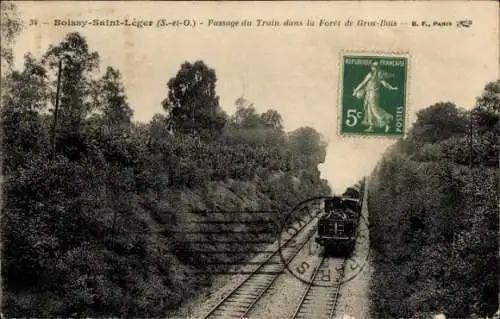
<point>374,115</point>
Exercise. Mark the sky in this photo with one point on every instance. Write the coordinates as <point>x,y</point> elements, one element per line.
<point>292,70</point>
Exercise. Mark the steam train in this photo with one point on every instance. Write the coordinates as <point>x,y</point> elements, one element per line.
<point>337,227</point>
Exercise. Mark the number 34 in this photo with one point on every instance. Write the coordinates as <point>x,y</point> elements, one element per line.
<point>352,117</point>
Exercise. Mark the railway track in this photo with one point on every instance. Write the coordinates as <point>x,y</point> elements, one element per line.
<point>319,300</point>
<point>240,301</point>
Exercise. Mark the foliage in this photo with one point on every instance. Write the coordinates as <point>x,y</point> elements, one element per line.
<point>272,119</point>
<point>307,141</point>
<point>99,225</point>
<point>192,103</point>
<point>442,252</point>
<point>437,122</point>
<point>76,62</point>
<point>24,96</point>
<point>111,101</point>
<point>489,100</point>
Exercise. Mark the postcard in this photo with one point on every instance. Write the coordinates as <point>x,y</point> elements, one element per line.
<point>250,159</point>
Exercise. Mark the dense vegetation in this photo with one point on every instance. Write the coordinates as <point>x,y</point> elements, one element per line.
<point>436,193</point>
<point>101,214</point>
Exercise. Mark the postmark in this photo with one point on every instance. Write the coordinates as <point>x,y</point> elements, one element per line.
<point>373,94</point>
<point>305,267</point>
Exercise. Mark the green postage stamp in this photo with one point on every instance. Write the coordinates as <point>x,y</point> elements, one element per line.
<point>373,94</point>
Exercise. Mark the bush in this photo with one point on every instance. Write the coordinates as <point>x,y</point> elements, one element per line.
<point>442,217</point>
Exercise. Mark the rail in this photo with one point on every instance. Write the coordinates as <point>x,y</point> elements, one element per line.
<point>309,304</point>
<point>243,305</point>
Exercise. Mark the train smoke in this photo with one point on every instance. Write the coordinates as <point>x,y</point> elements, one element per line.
<point>349,159</point>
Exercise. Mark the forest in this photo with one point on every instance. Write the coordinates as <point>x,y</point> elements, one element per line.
<point>97,208</point>
<point>436,193</point>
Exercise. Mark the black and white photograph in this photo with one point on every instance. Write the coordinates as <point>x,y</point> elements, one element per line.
<point>250,159</point>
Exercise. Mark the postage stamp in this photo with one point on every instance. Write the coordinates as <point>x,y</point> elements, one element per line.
<point>373,94</point>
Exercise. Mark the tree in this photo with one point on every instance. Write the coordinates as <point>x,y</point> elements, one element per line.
<point>25,95</point>
<point>307,141</point>
<point>487,111</point>
<point>438,122</point>
<point>192,103</point>
<point>112,102</point>
<point>490,99</point>
<point>272,119</point>
<point>77,62</point>
<point>486,125</point>
<point>157,129</point>
<point>246,117</point>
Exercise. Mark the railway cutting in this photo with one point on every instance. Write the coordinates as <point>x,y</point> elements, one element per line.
<point>333,222</point>
<point>240,301</point>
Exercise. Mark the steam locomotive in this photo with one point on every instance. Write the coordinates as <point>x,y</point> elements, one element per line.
<point>337,227</point>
